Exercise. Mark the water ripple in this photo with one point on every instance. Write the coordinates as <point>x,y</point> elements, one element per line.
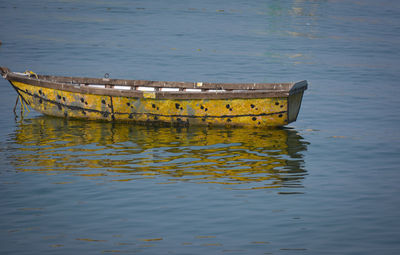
<point>118,151</point>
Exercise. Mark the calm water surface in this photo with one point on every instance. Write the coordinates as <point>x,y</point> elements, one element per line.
<point>326,184</point>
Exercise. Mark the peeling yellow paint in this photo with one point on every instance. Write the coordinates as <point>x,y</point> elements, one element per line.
<point>226,112</point>
<point>149,95</point>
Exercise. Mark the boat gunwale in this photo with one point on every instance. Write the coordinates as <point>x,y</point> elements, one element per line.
<point>207,90</point>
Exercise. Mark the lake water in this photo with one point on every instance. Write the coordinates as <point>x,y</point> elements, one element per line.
<point>326,184</point>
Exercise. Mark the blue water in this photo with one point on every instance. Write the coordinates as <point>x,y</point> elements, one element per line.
<point>326,184</point>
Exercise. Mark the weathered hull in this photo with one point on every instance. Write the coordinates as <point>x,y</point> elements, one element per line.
<point>193,110</point>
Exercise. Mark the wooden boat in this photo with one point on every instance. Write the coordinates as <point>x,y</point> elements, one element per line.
<point>180,103</point>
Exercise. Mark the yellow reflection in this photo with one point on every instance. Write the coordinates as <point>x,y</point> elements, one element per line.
<point>124,152</point>
<point>151,240</point>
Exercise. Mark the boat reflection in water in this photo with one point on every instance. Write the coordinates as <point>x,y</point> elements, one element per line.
<point>241,158</point>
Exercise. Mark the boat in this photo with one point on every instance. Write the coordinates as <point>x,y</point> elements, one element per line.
<point>173,103</point>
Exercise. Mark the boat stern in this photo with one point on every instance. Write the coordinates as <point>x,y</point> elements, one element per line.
<point>294,100</point>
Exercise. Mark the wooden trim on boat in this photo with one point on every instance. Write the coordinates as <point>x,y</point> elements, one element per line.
<point>205,90</point>
<point>168,84</point>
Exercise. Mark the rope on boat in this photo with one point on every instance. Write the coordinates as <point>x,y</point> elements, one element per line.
<point>23,106</point>
<point>30,73</point>
<point>16,103</point>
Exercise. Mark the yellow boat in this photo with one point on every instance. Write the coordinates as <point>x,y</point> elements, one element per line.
<point>177,103</point>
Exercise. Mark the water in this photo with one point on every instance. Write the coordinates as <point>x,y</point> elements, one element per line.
<point>326,184</point>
